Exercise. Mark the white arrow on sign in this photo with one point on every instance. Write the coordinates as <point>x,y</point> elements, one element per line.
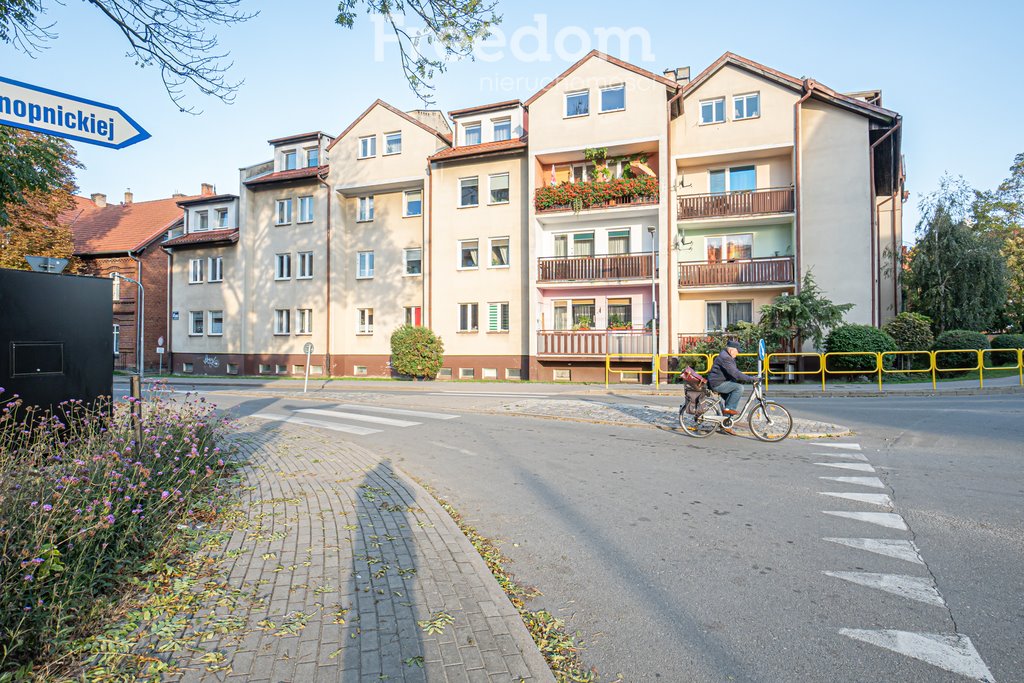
<point>66,116</point>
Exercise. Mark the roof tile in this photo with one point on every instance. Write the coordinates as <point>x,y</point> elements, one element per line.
<point>204,237</point>
<point>119,227</point>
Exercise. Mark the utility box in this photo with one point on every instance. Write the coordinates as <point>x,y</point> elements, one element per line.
<point>56,337</point>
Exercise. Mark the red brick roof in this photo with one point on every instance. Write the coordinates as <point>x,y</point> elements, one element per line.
<point>119,227</point>
<point>205,237</point>
<point>294,174</point>
<point>477,150</point>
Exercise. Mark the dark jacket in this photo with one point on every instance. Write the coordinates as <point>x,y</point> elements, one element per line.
<point>724,369</point>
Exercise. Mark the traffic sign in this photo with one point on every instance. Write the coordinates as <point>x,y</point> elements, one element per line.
<point>47,264</point>
<point>308,348</point>
<point>159,341</point>
<point>761,350</point>
<point>159,350</point>
<point>67,116</point>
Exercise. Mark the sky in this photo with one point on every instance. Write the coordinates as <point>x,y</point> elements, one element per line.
<point>950,68</point>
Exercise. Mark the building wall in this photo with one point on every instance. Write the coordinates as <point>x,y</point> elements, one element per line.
<point>774,239</point>
<point>772,172</point>
<point>890,239</point>
<point>486,121</point>
<point>226,296</point>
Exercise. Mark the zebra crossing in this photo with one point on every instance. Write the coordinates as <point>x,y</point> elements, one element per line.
<point>340,418</point>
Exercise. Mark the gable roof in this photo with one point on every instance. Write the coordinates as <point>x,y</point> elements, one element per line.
<point>668,83</point>
<point>411,119</point>
<point>484,108</point>
<point>818,90</point>
<point>119,228</point>
<point>465,151</point>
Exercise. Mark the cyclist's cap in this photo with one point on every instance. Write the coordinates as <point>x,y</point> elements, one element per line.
<point>734,345</point>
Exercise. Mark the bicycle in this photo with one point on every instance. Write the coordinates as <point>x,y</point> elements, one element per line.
<point>701,416</point>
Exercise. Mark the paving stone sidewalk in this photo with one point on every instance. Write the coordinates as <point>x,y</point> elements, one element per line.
<point>347,564</point>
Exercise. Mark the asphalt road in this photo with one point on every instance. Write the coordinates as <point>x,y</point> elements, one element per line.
<point>685,560</point>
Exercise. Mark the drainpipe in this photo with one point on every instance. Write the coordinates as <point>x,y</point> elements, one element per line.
<point>330,199</point>
<point>798,182</point>
<point>670,223</point>
<point>428,314</point>
<point>875,313</point>
<point>140,317</point>
<point>170,306</point>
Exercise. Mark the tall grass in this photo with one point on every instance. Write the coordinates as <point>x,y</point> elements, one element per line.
<point>83,506</point>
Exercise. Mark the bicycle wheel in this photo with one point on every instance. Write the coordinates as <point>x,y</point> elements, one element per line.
<point>769,421</point>
<point>695,426</point>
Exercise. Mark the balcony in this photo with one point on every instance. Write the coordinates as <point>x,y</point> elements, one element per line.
<point>594,268</point>
<point>594,343</point>
<point>596,194</point>
<point>724,205</point>
<point>774,270</point>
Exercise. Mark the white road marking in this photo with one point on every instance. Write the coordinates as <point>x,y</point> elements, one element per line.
<point>358,417</point>
<point>890,520</point>
<point>955,653</point>
<point>464,451</point>
<point>882,499</point>
<point>855,466</point>
<point>918,588</point>
<point>851,456</point>
<point>323,424</point>
<point>873,482</point>
<point>890,547</point>
<point>847,446</point>
<point>398,411</point>
<point>502,394</point>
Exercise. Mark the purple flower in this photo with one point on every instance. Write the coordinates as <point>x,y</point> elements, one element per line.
<point>28,577</point>
<point>163,496</point>
<point>47,507</point>
<point>110,518</point>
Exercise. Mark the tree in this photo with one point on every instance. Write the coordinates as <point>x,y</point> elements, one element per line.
<point>1000,214</point>
<point>1013,252</point>
<point>416,352</point>
<point>790,320</point>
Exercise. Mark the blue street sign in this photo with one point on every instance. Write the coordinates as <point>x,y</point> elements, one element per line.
<point>66,116</point>
<point>761,350</point>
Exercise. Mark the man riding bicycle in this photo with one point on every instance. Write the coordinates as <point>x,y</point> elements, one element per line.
<point>725,377</point>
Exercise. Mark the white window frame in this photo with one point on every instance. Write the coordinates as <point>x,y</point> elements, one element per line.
<point>305,209</point>
<point>745,99</point>
<point>371,152</point>
<point>476,180</point>
<point>405,203</point>
<point>193,318</point>
<point>293,156</point>
<point>494,311</point>
<point>574,93</point>
<point>195,271</point>
<point>473,315</point>
<point>283,266</point>
<point>724,311</point>
<point>490,188</point>
<point>117,339</point>
<point>500,121</point>
<point>490,252</point>
<point>365,265</point>
<point>303,321</point>
<point>282,322</point>
<point>222,218</point>
<point>410,315</point>
<point>458,255</point>
<point>202,221</point>
<point>305,270</point>
<point>608,88</point>
<point>116,288</point>
<point>387,141</point>
<point>365,209</point>
<point>210,316</point>
<point>478,127</point>
<point>311,152</point>
<point>364,321</point>
<point>215,268</point>
<point>711,101</point>
<point>406,260</point>
<point>283,217</point>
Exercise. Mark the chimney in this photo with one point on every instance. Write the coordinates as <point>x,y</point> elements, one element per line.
<point>99,199</point>
<point>680,75</point>
<point>207,190</point>
<point>128,196</point>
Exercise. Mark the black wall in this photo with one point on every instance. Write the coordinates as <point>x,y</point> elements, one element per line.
<point>56,337</point>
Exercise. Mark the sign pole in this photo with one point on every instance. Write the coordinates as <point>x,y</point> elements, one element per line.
<point>308,348</point>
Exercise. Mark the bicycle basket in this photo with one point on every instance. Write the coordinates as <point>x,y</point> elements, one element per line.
<point>692,379</point>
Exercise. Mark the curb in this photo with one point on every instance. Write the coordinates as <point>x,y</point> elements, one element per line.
<point>1000,391</point>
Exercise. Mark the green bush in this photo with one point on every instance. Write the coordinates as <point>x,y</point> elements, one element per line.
<point>1005,341</point>
<point>850,338</point>
<point>959,339</point>
<point>911,332</point>
<point>416,352</point>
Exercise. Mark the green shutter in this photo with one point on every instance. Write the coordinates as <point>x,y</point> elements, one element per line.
<point>492,317</point>
<point>619,233</point>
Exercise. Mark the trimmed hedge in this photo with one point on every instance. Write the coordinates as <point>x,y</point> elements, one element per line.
<point>416,352</point>
<point>911,332</point>
<point>959,339</point>
<point>848,338</point>
<point>1006,341</point>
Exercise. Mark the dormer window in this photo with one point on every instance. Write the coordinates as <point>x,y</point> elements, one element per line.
<point>472,134</point>
<point>222,218</point>
<point>290,159</point>
<point>502,129</point>
<point>202,220</point>
<point>312,157</point>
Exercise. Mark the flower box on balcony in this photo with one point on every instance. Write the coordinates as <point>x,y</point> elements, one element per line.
<point>596,193</point>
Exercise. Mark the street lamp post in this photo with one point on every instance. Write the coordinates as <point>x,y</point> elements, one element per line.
<point>140,316</point>
<point>653,229</point>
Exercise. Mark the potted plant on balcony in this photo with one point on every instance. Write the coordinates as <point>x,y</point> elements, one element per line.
<point>583,323</point>
<point>616,322</point>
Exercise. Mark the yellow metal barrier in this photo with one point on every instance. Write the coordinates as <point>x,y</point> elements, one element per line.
<point>768,372</point>
<point>928,354</point>
<point>976,368</point>
<point>837,354</point>
<point>707,358</point>
<point>620,356</point>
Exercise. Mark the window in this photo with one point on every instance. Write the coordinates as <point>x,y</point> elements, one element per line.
<point>620,313</point>
<point>305,265</point>
<point>583,244</point>
<point>468,318</point>
<point>497,317</point>
<point>305,209</point>
<point>117,340</point>
<point>202,220</point>
<point>561,245</point>
<point>231,368</point>
<point>117,284</point>
<point>729,247</point>
<point>365,209</point>
<point>368,147</point>
<point>613,98</point>
<point>195,271</point>
<point>290,159</point>
<point>392,143</point>
<point>365,321</point>
<point>618,241</point>
<point>282,321</point>
<point>304,321</point>
<point>733,312</point>
<point>489,373</point>
<point>577,103</point>
<point>499,252</point>
<point>284,211</point>
<point>469,194</point>
<point>215,264</point>
<point>469,251</point>
<point>502,129</point>
<point>280,369</point>
<point>746,106</point>
<point>216,323</point>
<point>222,218</point>
<point>498,185</point>
<point>413,203</point>
<point>187,367</point>
<point>195,325</point>
<point>712,111</point>
<point>312,157</point>
<point>413,260</point>
<point>282,266</point>
<point>579,173</point>
<point>583,313</point>
<point>467,373</point>
<point>364,265</point>
<point>472,134</point>
<point>413,315</point>
<point>737,179</point>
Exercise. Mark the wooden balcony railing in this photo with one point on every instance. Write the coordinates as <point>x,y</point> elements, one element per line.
<point>685,341</point>
<point>758,271</point>
<point>750,203</point>
<point>605,267</point>
<point>593,342</point>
